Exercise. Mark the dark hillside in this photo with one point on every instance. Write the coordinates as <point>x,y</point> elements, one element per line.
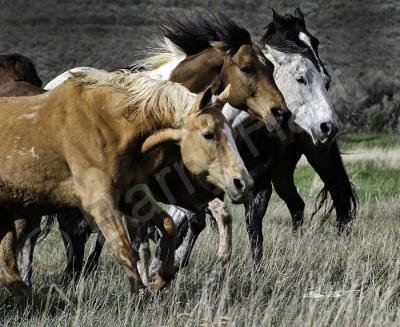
<point>356,36</point>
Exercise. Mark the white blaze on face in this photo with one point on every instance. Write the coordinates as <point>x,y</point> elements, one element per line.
<point>232,145</point>
<point>306,40</point>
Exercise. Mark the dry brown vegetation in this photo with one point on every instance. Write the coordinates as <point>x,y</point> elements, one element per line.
<point>319,279</point>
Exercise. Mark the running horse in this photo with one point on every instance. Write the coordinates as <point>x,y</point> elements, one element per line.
<point>18,76</point>
<point>234,53</point>
<point>300,81</point>
<point>82,145</point>
<point>303,80</point>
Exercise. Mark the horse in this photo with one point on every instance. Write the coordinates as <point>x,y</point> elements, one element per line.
<point>80,146</point>
<point>287,41</point>
<point>235,61</point>
<point>229,50</point>
<point>294,52</point>
<point>173,62</point>
<point>18,76</point>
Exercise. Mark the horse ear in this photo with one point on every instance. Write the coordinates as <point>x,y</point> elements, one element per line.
<point>220,46</point>
<point>298,14</point>
<point>162,136</point>
<point>279,21</point>
<point>223,97</point>
<point>206,99</point>
<point>216,85</point>
<point>275,56</point>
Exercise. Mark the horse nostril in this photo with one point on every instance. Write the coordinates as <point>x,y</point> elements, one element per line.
<point>326,128</point>
<point>277,112</point>
<point>238,183</point>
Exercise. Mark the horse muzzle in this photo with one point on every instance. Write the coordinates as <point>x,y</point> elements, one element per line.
<point>325,133</point>
<point>239,188</point>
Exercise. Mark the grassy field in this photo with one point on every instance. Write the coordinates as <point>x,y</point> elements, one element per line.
<point>317,280</point>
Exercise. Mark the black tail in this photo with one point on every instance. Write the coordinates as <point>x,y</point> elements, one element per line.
<point>343,194</point>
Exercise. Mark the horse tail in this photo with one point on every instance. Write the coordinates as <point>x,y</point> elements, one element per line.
<point>343,192</point>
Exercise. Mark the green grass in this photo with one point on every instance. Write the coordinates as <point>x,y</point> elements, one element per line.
<point>363,140</point>
<point>318,279</point>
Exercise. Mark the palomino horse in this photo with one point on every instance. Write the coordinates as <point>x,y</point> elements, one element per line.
<point>192,66</point>
<point>80,146</point>
<point>229,58</point>
<point>18,76</point>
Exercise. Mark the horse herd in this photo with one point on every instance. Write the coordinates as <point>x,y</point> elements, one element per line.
<point>208,112</point>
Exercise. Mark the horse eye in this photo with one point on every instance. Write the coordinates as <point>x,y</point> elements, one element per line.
<point>246,69</point>
<point>301,80</point>
<point>209,135</point>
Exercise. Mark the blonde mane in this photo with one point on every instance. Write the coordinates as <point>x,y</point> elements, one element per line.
<point>150,101</point>
<point>162,53</point>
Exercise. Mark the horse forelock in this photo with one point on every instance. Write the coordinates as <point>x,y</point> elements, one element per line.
<point>150,100</point>
<point>295,39</point>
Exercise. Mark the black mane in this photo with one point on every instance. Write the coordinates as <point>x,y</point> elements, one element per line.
<point>192,32</point>
<point>31,75</point>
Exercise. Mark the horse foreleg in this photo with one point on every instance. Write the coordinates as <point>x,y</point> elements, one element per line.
<point>75,232</point>
<point>223,217</point>
<point>255,212</point>
<point>101,201</point>
<point>29,242</point>
<point>9,274</point>
<point>194,223</point>
<point>93,260</point>
<point>283,181</point>
<point>144,253</point>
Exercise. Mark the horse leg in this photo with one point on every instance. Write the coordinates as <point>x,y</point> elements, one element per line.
<point>196,223</point>
<point>9,274</point>
<point>144,253</point>
<point>283,181</point>
<point>29,243</point>
<point>223,217</point>
<point>75,232</point>
<point>165,224</point>
<point>93,260</point>
<point>328,163</point>
<point>255,211</point>
<point>101,201</point>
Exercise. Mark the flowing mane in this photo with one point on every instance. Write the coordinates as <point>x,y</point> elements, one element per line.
<point>192,32</point>
<point>30,73</point>
<point>189,34</point>
<point>150,100</point>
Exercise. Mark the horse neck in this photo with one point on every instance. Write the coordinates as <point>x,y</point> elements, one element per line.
<point>205,66</point>
<point>156,115</point>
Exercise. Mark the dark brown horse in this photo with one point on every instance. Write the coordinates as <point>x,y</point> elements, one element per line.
<point>18,76</point>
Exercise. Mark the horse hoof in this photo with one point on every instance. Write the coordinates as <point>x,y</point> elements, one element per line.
<point>158,283</point>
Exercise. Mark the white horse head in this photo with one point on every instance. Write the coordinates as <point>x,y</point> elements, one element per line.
<point>304,90</point>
